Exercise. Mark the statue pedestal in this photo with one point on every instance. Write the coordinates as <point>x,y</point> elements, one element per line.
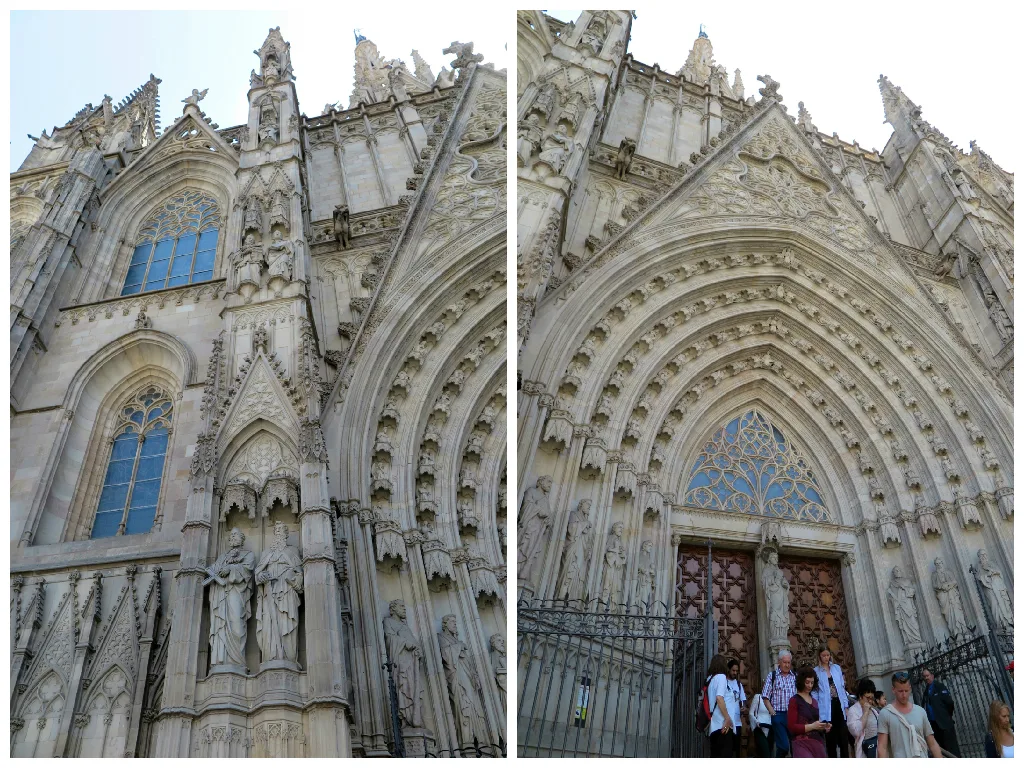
<point>280,664</point>
<point>235,669</point>
<point>418,741</point>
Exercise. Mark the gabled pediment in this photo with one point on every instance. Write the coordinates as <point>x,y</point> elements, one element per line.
<point>260,395</point>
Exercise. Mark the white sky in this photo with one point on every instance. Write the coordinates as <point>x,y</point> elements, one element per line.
<point>60,60</point>
<point>958,63</point>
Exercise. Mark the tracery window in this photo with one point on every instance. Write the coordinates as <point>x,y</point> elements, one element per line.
<point>176,245</point>
<point>749,466</point>
<point>135,469</point>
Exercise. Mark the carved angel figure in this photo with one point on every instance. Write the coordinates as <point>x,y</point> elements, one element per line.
<point>230,580</point>
<point>196,96</point>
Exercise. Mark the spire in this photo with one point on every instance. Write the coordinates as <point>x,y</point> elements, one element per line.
<point>275,60</point>
<point>702,33</point>
<point>898,108</point>
<point>422,69</point>
<point>737,84</point>
<point>803,118</point>
<point>359,37</point>
<point>700,62</point>
<point>143,102</point>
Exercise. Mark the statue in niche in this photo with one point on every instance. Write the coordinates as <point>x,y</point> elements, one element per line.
<point>268,124</point>
<point>342,228</point>
<point>463,684</point>
<point>1002,322</point>
<point>776,595</point>
<point>534,524</point>
<point>499,662</point>
<point>406,658</point>
<point>947,592</point>
<point>230,580</point>
<point>901,594</point>
<point>530,135</point>
<point>271,67</point>
<point>253,215</point>
<point>545,100</point>
<point>614,580</point>
<point>279,583</point>
<point>555,150</point>
<point>995,589</point>
<point>279,210</point>
<point>570,114</point>
<point>645,577</point>
<point>576,554</point>
<point>280,257</point>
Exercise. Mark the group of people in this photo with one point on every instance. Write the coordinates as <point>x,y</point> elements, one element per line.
<point>807,713</point>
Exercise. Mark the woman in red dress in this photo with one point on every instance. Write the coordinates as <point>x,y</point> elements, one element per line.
<point>806,730</point>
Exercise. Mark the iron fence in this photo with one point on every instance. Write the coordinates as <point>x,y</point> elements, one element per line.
<point>600,680</point>
<point>974,669</point>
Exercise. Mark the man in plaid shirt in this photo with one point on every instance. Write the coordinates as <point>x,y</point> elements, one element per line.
<point>779,688</point>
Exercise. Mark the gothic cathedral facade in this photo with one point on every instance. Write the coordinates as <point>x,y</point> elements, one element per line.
<point>280,348</point>
<point>736,328</point>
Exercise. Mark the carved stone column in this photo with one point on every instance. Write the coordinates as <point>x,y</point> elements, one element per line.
<point>90,614</point>
<point>178,706</point>
<point>328,734</point>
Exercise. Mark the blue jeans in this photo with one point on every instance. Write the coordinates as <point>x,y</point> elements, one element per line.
<point>781,731</point>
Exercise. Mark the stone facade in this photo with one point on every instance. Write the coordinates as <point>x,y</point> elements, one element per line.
<point>329,395</point>
<point>689,253</point>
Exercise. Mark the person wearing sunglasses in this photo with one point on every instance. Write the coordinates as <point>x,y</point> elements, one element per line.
<point>903,727</point>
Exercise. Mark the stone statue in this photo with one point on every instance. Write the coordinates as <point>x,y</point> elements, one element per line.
<point>342,230</point>
<point>196,97</point>
<point>555,150</point>
<point>253,215</point>
<point>230,580</point>
<point>406,659</point>
<point>534,524</point>
<point>947,592</point>
<point>995,589</point>
<point>270,67</point>
<point>499,662</point>
<point>268,125</point>
<point>1002,322</point>
<point>279,583</point>
<point>645,576</point>
<point>776,595</point>
<point>463,684</point>
<point>576,554</point>
<point>279,211</point>
<point>613,581</point>
<point>545,100</point>
<point>901,594</point>
<point>624,158</point>
<point>280,257</point>
<point>530,135</point>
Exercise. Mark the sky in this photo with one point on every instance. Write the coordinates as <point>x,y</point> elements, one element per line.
<point>93,53</point>
<point>958,63</point>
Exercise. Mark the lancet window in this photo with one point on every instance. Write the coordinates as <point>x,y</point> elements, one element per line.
<point>131,487</point>
<point>176,246</point>
<point>749,466</point>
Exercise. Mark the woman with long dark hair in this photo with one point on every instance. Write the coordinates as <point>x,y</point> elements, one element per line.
<point>806,730</point>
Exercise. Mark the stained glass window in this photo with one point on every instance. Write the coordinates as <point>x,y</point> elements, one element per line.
<point>135,470</point>
<point>176,246</point>
<point>749,466</point>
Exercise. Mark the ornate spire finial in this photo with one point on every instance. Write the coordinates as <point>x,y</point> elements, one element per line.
<point>803,118</point>
<point>359,37</point>
<point>702,33</point>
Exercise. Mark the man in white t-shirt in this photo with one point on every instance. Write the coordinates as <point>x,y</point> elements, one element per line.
<point>903,727</point>
<point>726,691</point>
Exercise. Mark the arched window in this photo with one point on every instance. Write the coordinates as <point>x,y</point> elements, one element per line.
<point>176,245</point>
<point>749,466</point>
<point>135,469</point>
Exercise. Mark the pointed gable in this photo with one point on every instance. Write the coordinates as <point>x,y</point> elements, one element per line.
<point>261,395</point>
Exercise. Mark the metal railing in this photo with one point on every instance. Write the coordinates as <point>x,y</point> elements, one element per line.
<point>600,680</point>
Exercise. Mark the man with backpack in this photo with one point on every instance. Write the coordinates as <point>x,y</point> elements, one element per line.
<point>779,688</point>
<point>722,698</point>
<point>903,727</point>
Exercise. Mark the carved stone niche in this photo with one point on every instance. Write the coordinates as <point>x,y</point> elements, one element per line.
<point>625,479</point>
<point>967,511</point>
<point>595,454</point>
<point>278,738</point>
<point>238,493</point>
<point>558,429</point>
<point>483,582</point>
<point>283,488</point>
<point>437,563</point>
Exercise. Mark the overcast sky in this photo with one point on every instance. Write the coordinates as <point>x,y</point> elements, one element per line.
<point>61,60</point>
<point>958,63</point>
